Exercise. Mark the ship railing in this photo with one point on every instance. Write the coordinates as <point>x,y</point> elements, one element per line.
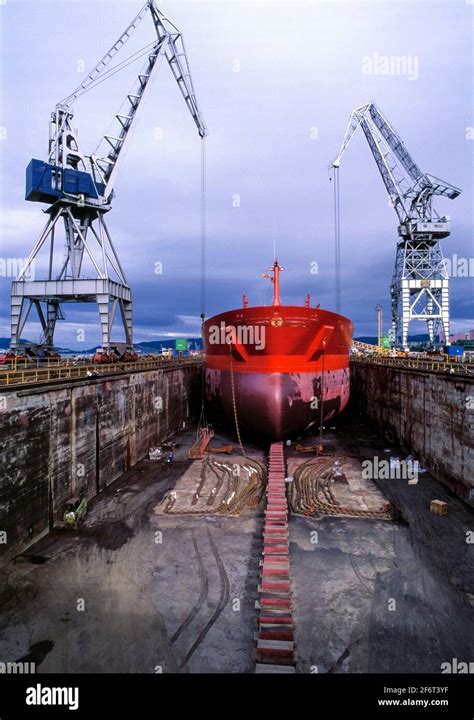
<point>428,365</point>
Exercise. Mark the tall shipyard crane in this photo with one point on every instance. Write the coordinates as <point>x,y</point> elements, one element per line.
<point>79,189</point>
<point>420,283</point>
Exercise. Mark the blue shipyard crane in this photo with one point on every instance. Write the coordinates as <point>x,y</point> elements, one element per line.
<point>78,189</point>
<point>420,282</point>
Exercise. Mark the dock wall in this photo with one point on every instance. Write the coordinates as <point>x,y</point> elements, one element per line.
<point>430,415</point>
<point>62,440</point>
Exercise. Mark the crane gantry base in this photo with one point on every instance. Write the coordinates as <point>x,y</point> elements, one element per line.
<point>51,294</point>
<point>420,290</point>
<point>71,282</point>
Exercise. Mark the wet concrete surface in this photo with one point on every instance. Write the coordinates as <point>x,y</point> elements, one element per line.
<point>380,607</point>
<point>133,591</point>
<point>372,596</point>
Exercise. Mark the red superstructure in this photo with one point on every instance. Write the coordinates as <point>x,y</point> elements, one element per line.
<point>279,363</point>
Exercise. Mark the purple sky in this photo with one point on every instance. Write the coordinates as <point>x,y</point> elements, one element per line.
<point>276,82</point>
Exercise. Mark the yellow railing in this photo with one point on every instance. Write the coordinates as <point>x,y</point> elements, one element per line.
<point>68,370</point>
<point>451,367</point>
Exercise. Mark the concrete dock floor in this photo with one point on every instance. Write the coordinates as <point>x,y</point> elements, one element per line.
<point>139,591</point>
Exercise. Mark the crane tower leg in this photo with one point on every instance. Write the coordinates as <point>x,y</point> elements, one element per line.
<point>405,319</point>
<point>445,322</point>
<point>430,322</point>
<point>420,289</point>
<point>72,280</point>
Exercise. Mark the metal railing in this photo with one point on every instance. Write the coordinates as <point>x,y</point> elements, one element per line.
<point>55,371</point>
<point>450,367</point>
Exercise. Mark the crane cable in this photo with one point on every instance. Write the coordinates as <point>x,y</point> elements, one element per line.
<point>337,242</point>
<point>203,228</point>
<point>202,418</point>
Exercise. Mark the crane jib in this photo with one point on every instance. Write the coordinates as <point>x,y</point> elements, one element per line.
<point>68,173</point>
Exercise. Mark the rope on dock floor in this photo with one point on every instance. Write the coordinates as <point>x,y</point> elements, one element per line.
<point>311,492</point>
<point>243,491</point>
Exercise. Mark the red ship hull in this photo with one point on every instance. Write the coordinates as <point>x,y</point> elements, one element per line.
<point>284,368</point>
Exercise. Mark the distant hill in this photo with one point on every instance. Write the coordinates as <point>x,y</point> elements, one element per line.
<point>5,343</point>
<point>149,346</point>
<point>157,345</point>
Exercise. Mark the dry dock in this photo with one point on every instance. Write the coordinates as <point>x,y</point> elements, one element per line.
<point>137,590</point>
<point>140,589</point>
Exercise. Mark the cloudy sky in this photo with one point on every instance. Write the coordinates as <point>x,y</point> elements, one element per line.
<point>276,82</point>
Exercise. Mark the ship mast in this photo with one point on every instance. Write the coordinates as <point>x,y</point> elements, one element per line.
<point>275,278</point>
